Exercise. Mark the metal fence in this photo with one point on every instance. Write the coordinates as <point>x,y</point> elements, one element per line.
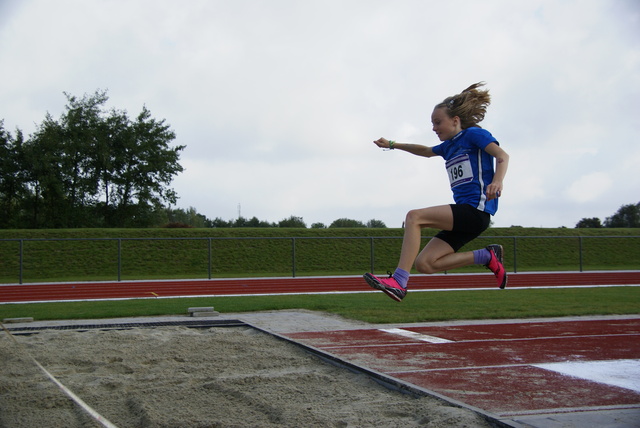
<point>90,259</point>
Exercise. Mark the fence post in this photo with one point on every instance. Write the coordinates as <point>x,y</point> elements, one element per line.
<point>20,256</point>
<point>373,255</point>
<point>293,257</point>
<point>209,257</point>
<point>580,250</point>
<point>119,258</point>
<point>515,254</point>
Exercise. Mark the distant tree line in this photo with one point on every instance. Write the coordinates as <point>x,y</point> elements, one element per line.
<point>92,167</point>
<point>191,218</point>
<point>626,216</point>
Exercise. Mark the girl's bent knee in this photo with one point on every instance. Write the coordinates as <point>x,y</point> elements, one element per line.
<point>412,217</point>
<point>425,267</point>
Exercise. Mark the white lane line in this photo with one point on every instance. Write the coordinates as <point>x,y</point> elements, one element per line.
<point>95,415</point>
<point>622,373</point>
<point>415,335</point>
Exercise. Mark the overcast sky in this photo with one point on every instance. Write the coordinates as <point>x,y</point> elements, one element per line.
<point>278,101</point>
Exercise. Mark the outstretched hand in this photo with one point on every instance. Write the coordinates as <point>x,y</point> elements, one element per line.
<point>382,142</point>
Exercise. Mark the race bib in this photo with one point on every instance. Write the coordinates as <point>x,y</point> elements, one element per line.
<point>459,170</point>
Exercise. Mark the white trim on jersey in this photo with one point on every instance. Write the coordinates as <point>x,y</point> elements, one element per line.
<point>483,197</point>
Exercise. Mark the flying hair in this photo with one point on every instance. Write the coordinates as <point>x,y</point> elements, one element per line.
<point>470,105</point>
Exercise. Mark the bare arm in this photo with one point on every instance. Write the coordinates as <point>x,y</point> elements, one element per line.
<point>494,189</point>
<point>415,149</point>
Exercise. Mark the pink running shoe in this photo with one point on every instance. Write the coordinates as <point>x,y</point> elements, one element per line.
<point>389,285</point>
<point>496,266</point>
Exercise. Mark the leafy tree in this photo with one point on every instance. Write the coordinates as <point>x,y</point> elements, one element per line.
<point>240,222</point>
<point>218,222</point>
<point>12,188</point>
<point>96,168</point>
<point>345,222</point>
<point>593,222</point>
<point>373,223</point>
<point>626,216</point>
<point>293,221</point>
<point>253,222</point>
<point>46,179</point>
<point>143,168</point>
<point>318,226</point>
<point>189,217</point>
<point>77,134</point>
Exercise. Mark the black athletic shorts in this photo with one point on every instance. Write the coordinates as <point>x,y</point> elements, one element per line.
<point>468,224</point>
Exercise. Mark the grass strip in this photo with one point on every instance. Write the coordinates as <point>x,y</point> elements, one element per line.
<point>369,307</point>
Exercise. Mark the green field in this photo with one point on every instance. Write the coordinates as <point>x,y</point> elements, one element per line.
<point>130,254</point>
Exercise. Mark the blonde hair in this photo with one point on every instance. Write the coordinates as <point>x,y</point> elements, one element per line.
<point>470,105</point>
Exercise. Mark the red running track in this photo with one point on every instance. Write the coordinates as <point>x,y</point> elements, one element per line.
<point>302,285</point>
<point>496,367</point>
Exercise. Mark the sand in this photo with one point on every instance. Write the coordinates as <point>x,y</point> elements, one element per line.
<point>182,377</point>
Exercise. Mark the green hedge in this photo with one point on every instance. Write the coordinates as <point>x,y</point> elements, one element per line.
<point>92,254</point>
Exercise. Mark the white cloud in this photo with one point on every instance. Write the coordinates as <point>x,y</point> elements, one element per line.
<point>589,187</point>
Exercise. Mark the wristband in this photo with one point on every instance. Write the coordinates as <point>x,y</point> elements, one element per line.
<point>391,144</point>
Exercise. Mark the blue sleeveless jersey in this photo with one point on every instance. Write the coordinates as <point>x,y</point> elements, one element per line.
<point>469,167</point>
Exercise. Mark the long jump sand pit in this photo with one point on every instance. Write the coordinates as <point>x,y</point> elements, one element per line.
<point>186,377</point>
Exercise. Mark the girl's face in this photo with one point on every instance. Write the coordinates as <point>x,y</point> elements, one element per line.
<point>444,126</point>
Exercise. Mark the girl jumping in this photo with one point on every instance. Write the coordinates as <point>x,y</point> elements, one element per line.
<point>469,152</point>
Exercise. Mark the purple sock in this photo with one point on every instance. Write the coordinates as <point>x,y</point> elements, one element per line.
<point>402,276</point>
<point>481,257</point>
